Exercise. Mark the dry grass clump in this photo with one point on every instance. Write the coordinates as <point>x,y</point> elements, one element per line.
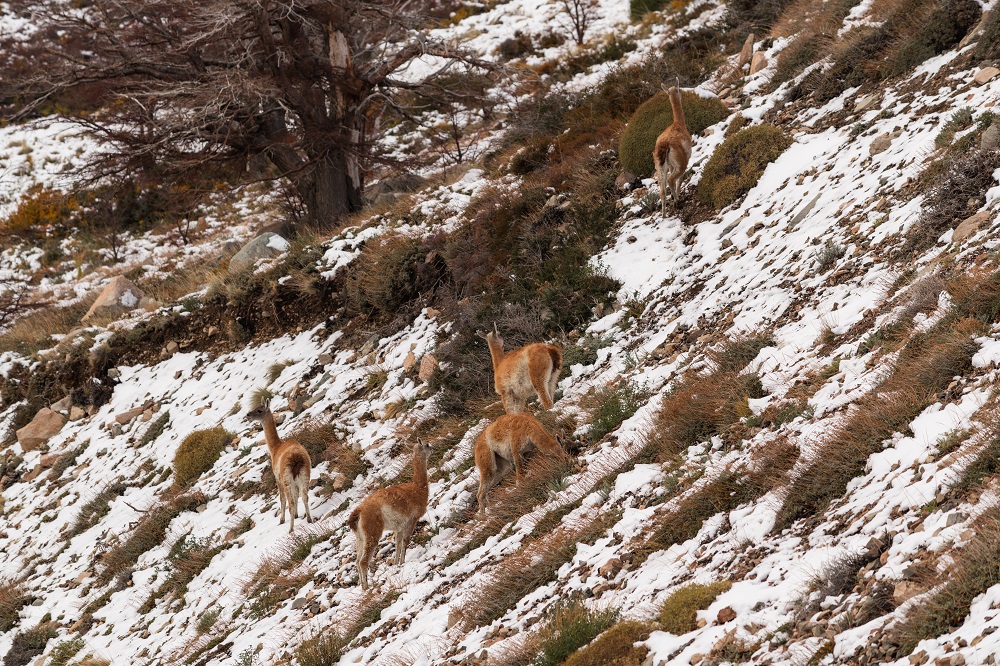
<point>34,331</point>
<point>187,558</point>
<point>837,579</point>
<point>317,436</point>
<point>390,272</point>
<point>925,367</point>
<point>327,647</point>
<point>149,533</point>
<point>957,195</point>
<point>615,647</point>
<point>635,151</point>
<point>96,508</point>
<point>739,162</point>
<point>570,626</point>
<point>614,404</point>
<point>701,406</point>
<point>978,466</point>
<point>525,570</point>
<point>973,571</point>
<point>679,613</point>
<point>13,597</point>
<point>198,452</point>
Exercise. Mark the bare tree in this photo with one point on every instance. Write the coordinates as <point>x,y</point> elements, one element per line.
<point>580,14</point>
<point>200,84</point>
<point>13,299</point>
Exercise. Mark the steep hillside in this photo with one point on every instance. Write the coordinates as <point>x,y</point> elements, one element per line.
<point>778,402</point>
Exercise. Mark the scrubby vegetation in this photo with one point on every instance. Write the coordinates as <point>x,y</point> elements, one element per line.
<point>13,597</point>
<point>615,647</point>
<point>679,613</point>
<point>614,404</point>
<point>570,626</point>
<point>198,452</point>
<point>29,644</point>
<point>737,164</point>
<point>635,151</point>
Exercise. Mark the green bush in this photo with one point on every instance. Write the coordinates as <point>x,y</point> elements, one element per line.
<point>615,646</point>
<point>988,46</point>
<point>614,405</point>
<point>29,644</point>
<point>572,625</point>
<point>944,27</point>
<point>198,452</point>
<point>639,138</point>
<point>679,613</point>
<point>737,164</point>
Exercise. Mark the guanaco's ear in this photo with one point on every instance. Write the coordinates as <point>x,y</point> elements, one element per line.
<point>678,83</point>
<point>665,88</point>
<point>481,334</point>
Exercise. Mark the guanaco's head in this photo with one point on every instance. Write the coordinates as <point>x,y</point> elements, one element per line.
<point>421,450</point>
<point>260,412</point>
<point>491,337</point>
<point>674,90</point>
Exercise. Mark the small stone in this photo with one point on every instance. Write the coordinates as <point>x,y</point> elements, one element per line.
<point>338,481</point>
<point>955,518</point>
<point>865,102</point>
<point>985,75</point>
<point>990,138</point>
<point>969,226</point>
<point>119,296</point>
<point>918,658</point>
<point>63,406</point>
<point>746,53</point>
<point>727,614</point>
<point>147,415</point>
<point>265,246</point>
<point>324,359</point>
<point>299,603</point>
<point>116,429</point>
<point>904,590</point>
<point>758,62</point>
<point>76,413</point>
<point>43,426</point>
<point>950,660</point>
<point>880,144</point>
<point>172,348</point>
<point>626,181</point>
<point>431,312</point>
<point>126,417</point>
<point>409,362</point>
<point>114,373</point>
<point>610,568</point>
<point>428,364</point>
<point>49,459</point>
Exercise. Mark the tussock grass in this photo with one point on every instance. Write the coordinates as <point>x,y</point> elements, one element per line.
<point>615,647</point>
<point>570,626</point>
<point>739,162</point>
<point>614,404</point>
<point>198,452</point>
<point>523,571</point>
<point>978,466</point>
<point>701,406</point>
<point>838,578</point>
<point>973,572</point>
<point>13,597</point>
<point>317,436</point>
<point>29,644</point>
<point>679,613</point>
<point>96,508</point>
<point>187,558</point>
<point>925,367</point>
<point>149,533</point>
<point>327,647</point>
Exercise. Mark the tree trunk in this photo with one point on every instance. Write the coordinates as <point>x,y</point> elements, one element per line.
<point>333,188</point>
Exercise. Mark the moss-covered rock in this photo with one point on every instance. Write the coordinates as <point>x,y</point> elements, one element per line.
<point>737,164</point>
<point>635,151</point>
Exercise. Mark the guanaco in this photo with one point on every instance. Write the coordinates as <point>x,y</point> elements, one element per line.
<point>396,508</point>
<point>290,463</point>
<point>533,368</point>
<point>672,151</point>
<point>502,446</point>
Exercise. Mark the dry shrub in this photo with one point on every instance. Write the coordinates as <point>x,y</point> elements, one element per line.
<point>390,272</point>
<point>615,647</point>
<point>614,404</point>
<point>839,578</point>
<point>525,570</point>
<point>922,35</point>
<point>317,436</point>
<point>739,162</point>
<point>635,151</point>
<point>13,597</point>
<point>973,571</point>
<point>41,212</point>
<point>187,558</point>
<point>327,647</point>
<point>198,452</point>
<point>33,331</point>
<point>149,533</point>
<point>978,466</point>
<point>701,406</point>
<point>925,367</point>
<point>29,644</point>
<point>958,194</point>
<point>96,508</point>
<point>679,613</point>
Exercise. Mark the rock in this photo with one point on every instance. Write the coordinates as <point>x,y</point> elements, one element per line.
<point>664,350</point>
<point>147,415</point>
<point>746,53</point>
<point>299,603</point>
<point>758,63</point>
<point>63,406</point>
<point>905,589</point>
<point>45,425</point>
<point>610,568</point>
<point>265,246</point>
<point>338,482</point>
<point>970,226</point>
<point>727,614</point>
<point>428,364</point>
<point>407,182</point>
<point>126,417</point>
<point>950,660</point>
<point>955,517</point>
<point>324,359</point>
<point>49,459</point>
<point>76,413</point>
<point>409,361</point>
<point>918,658</point>
<point>119,296</point>
<point>431,312</point>
<point>114,373</point>
<point>880,144</point>
<point>865,102</point>
<point>626,181</point>
<point>985,75</point>
<point>990,138</point>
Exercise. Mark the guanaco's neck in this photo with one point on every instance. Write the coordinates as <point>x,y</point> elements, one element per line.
<point>271,433</point>
<point>496,350</point>
<point>420,470</point>
<point>678,108</point>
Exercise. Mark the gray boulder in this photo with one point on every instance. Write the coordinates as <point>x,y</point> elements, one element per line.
<point>119,296</point>
<point>265,246</point>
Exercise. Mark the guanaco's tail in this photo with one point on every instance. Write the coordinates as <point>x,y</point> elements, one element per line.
<point>556,355</point>
<point>352,521</point>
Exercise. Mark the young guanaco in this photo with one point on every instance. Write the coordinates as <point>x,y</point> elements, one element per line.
<point>396,508</point>
<point>289,462</point>
<point>533,368</point>
<point>673,150</point>
<point>502,446</point>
